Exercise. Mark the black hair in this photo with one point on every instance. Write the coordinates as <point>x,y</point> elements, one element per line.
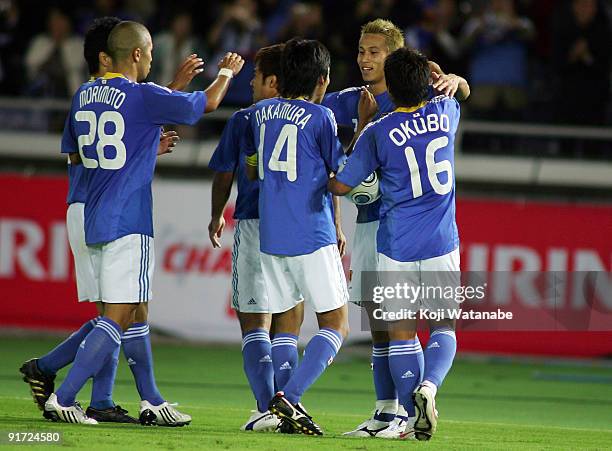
<point>407,74</point>
<point>96,41</point>
<point>268,60</point>
<point>302,63</point>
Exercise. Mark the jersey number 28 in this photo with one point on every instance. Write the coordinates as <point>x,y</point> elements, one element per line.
<point>97,126</point>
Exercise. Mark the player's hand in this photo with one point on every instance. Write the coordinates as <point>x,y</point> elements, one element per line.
<point>445,84</point>
<point>167,141</point>
<point>367,107</point>
<point>341,241</point>
<point>232,61</point>
<point>188,69</point>
<point>215,229</point>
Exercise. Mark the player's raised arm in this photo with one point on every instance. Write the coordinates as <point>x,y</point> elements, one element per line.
<point>229,66</point>
<point>449,84</point>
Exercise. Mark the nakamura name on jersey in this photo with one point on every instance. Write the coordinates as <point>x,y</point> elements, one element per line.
<point>297,146</point>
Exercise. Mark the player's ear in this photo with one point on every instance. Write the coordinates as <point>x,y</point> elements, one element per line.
<point>272,82</point>
<point>105,60</point>
<point>136,54</point>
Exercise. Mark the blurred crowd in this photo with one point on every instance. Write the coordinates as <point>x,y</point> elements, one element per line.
<point>533,60</point>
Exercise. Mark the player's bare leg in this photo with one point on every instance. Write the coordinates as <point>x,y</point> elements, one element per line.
<point>319,353</point>
<point>257,363</point>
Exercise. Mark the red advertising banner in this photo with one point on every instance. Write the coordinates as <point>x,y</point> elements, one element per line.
<point>37,286</point>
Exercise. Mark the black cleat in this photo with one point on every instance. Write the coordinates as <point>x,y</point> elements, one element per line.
<point>294,415</point>
<point>285,428</point>
<point>41,385</point>
<point>112,415</point>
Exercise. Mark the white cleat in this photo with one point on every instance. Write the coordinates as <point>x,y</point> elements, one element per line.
<point>261,422</point>
<point>72,414</point>
<point>370,427</point>
<point>398,427</point>
<point>426,413</point>
<point>162,415</point>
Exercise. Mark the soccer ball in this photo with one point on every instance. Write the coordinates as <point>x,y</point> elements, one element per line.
<point>366,192</point>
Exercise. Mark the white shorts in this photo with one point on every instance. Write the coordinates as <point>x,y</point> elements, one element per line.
<point>248,289</point>
<point>364,257</point>
<point>87,286</point>
<point>124,269</point>
<point>318,277</point>
<point>442,271</point>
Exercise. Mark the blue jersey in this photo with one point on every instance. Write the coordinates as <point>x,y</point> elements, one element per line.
<point>345,105</point>
<point>297,145</point>
<point>115,124</point>
<point>229,157</point>
<point>414,150</point>
<point>77,180</point>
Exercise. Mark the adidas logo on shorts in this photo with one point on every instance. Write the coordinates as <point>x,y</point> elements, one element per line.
<point>252,302</point>
<point>266,358</point>
<point>433,345</point>
<point>407,374</point>
<point>131,361</point>
<point>285,366</point>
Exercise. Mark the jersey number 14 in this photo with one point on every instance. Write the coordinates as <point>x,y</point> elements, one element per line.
<point>287,137</point>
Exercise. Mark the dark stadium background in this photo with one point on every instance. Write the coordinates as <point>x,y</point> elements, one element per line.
<point>533,165</point>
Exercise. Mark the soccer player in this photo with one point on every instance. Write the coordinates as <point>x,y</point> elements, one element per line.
<point>352,108</point>
<point>262,357</point>
<point>113,130</point>
<point>292,145</point>
<point>40,373</point>
<point>413,149</point>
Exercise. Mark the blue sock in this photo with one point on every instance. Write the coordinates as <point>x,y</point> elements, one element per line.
<point>383,381</point>
<point>257,364</point>
<point>137,350</point>
<point>404,365</point>
<point>284,358</point>
<point>94,351</point>
<point>63,354</point>
<point>439,355</point>
<point>319,354</point>
<point>103,382</point>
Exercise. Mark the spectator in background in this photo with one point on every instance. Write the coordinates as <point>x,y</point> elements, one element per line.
<point>54,59</point>
<point>171,48</point>
<point>436,34</point>
<point>12,47</point>
<point>237,30</point>
<point>305,20</point>
<point>581,58</point>
<point>275,13</point>
<point>100,8</point>
<point>497,43</point>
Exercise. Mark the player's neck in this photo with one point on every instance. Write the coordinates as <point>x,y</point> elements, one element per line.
<point>378,88</point>
<point>128,71</point>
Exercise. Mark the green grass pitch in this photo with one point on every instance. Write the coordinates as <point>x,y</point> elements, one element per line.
<point>483,404</point>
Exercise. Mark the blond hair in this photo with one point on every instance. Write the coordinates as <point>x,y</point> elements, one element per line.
<point>393,35</point>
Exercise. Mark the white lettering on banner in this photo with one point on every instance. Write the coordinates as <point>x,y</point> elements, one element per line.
<point>517,275</point>
<point>20,252</point>
<point>22,240</point>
